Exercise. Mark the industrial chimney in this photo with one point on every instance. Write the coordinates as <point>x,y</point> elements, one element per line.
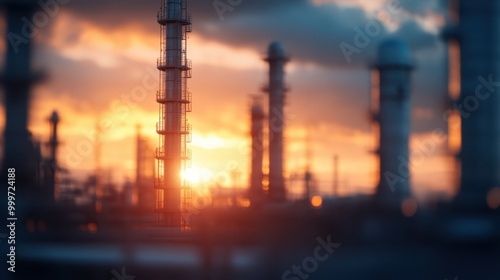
<point>54,121</point>
<point>393,114</point>
<point>475,33</point>
<point>53,143</point>
<point>257,128</point>
<point>17,80</point>
<point>276,90</point>
<point>172,189</point>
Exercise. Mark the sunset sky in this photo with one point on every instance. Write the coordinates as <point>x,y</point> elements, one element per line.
<point>101,59</point>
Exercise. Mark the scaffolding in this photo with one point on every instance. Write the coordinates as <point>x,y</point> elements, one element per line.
<point>173,190</point>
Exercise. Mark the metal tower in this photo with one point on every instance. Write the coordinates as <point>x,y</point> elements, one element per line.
<point>144,173</point>
<point>474,37</point>
<point>392,90</point>
<point>172,188</point>
<point>257,149</point>
<point>276,90</point>
<point>53,144</point>
<point>17,79</point>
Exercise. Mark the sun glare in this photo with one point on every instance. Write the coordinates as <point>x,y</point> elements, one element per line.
<point>197,176</point>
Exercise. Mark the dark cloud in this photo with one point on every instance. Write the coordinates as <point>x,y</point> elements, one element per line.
<point>422,7</point>
<point>416,37</point>
<point>89,83</point>
<point>310,32</point>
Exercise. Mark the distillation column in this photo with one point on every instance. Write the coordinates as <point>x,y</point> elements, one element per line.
<point>276,90</point>
<point>257,150</point>
<point>393,69</point>
<point>172,190</point>
<point>17,79</point>
<point>478,36</point>
<point>53,143</point>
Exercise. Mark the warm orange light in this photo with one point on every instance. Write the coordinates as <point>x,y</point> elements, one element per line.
<point>244,202</point>
<point>265,184</point>
<point>98,207</point>
<point>493,198</point>
<point>409,207</point>
<point>193,175</point>
<point>454,79</point>
<point>454,132</point>
<point>316,201</point>
<point>92,227</point>
<point>196,175</point>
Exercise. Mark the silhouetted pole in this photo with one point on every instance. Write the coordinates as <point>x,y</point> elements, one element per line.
<point>335,175</point>
<point>17,80</point>
<point>257,151</point>
<point>53,144</point>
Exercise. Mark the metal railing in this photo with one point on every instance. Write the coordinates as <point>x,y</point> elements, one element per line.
<point>184,129</point>
<point>266,88</point>
<point>164,15</point>
<point>174,62</point>
<point>162,96</point>
<point>184,155</point>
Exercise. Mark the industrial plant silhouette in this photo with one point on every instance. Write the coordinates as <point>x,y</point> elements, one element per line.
<point>159,227</point>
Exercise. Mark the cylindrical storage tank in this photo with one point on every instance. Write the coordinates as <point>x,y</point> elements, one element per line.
<point>394,65</point>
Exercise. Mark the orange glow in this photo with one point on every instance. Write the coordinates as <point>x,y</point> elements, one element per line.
<point>316,201</point>
<point>493,198</point>
<point>98,207</point>
<point>454,132</point>
<point>265,184</point>
<point>220,117</point>
<point>192,175</point>
<point>409,207</point>
<point>454,86</point>
<point>92,227</point>
<point>197,176</point>
<point>244,202</point>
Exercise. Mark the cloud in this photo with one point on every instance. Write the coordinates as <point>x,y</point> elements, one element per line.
<point>422,7</point>
<point>311,32</point>
<point>327,91</point>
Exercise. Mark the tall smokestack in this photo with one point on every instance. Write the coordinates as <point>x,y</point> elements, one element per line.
<point>17,80</point>
<point>172,190</point>
<point>277,60</point>
<point>392,73</point>
<point>257,149</point>
<point>53,143</point>
<point>477,34</point>
<point>54,121</point>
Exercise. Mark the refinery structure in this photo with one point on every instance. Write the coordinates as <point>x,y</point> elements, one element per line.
<point>149,228</point>
<point>276,120</point>
<point>392,114</point>
<point>172,190</point>
<point>474,59</point>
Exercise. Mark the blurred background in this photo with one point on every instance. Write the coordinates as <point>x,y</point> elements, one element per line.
<point>230,139</point>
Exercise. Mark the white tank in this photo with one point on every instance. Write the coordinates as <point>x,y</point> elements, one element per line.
<point>394,65</point>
